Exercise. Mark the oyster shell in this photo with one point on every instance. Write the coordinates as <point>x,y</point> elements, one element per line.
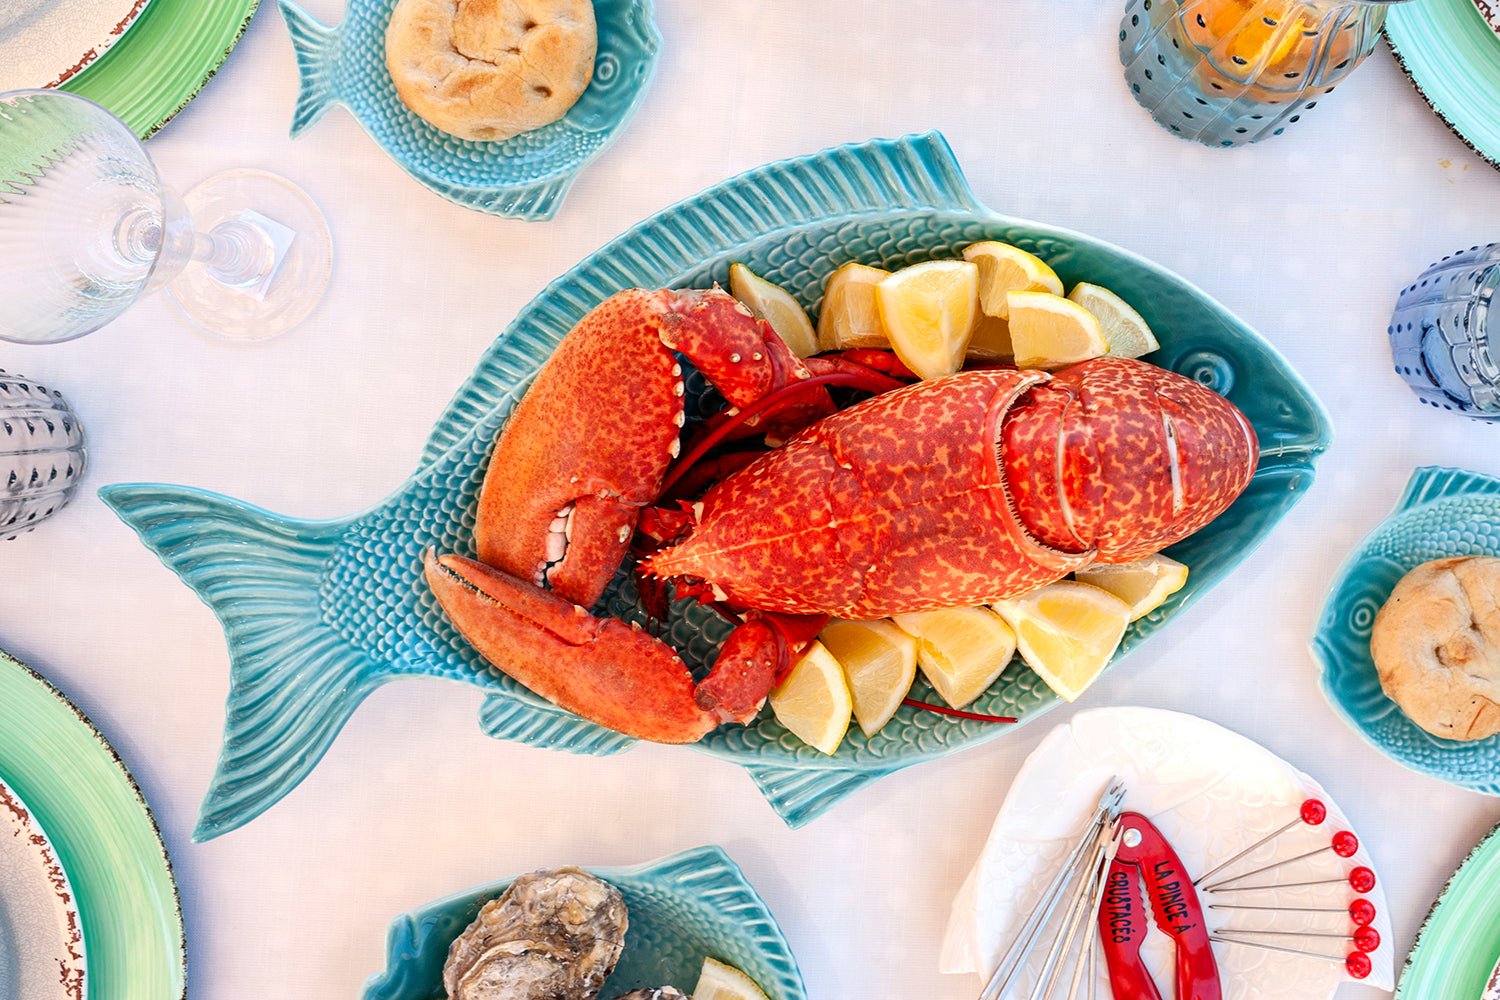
<point>657,993</point>
<point>553,935</point>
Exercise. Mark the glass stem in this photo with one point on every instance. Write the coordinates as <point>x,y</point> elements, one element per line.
<point>236,253</point>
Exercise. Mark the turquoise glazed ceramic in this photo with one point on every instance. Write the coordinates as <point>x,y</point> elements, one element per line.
<point>1443,512</point>
<point>683,909</point>
<point>318,614</point>
<point>1453,59</point>
<point>105,838</point>
<point>1459,942</point>
<point>524,177</point>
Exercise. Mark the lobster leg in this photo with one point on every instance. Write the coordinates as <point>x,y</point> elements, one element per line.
<point>602,669</point>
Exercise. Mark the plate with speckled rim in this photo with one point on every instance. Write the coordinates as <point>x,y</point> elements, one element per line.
<point>682,909</point>
<point>41,940</point>
<point>101,836</point>
<point>171,51</point>
<point>1452,56</point>
<point>1457,946</point>
<point>45,42</point>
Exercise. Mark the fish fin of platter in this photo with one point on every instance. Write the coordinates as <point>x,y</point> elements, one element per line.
<point>294,680</point>
<point>318,48</point>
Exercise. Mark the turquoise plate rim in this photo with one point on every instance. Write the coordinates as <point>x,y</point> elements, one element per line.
<point>1405,987</point>
<point>1422,41</point>
<point>711,862</point>
<point>1320,643</point>
<point>105,958</point>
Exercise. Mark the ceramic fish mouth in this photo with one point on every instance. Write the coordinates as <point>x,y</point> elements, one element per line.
<point>339,606</point>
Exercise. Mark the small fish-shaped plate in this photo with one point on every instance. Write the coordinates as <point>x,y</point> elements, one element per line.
<point>1443,512</point>
<point>524,177</point>
<point>683,909</point>
<point>318,614</point>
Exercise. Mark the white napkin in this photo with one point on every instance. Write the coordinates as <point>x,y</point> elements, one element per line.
<point>1212,793</point>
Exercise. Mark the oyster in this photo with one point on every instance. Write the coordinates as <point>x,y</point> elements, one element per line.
<point>553,935</point>
<point>657,993</point>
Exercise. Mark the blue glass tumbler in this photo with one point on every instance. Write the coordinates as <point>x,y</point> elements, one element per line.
<point>1440,333</point>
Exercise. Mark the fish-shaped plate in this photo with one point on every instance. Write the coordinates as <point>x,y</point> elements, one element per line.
<point>1456,955</point>
<point>683,909</point>
<point>1442,512</point>
<point>524,177</point>
<point>318,614</point>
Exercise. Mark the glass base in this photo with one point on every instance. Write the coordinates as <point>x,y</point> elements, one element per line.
<point>300,245</point>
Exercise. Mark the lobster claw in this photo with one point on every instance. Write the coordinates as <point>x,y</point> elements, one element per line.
<point>602,669</point>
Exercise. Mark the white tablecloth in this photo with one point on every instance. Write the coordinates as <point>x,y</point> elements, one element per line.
<point>1307,237</point>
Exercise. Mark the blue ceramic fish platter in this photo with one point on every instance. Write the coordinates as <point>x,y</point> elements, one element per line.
<point>1442,512</point>
<point>682,909</point>
<point>525,177</point>
<point>319,614</point>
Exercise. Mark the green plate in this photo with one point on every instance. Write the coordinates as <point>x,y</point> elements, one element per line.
<point>104,834</point>
<point>169,53</point>
<point>1453,59</point>
<point>1456,948</point>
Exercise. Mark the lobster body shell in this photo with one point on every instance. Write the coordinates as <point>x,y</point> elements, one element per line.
<point>968,489</point>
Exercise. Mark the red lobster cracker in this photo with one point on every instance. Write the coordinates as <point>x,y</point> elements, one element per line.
<point>959,491</point>
<point>1146,859</point>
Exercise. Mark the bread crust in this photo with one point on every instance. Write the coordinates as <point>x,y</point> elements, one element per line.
<point>1436,646</point>
<point>488,70</point>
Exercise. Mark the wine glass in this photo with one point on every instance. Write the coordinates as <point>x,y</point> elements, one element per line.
<point>87,227</point>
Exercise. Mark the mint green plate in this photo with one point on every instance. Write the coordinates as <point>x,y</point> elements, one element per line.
<point>169,53</point>
<point>105,837</point>
<point>1456,948</point>
<point>1453,58</point>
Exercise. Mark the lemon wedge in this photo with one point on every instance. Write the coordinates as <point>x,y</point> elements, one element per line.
<point>718,981</point>
<point>960,650</point>
<point>1123,327</point>
<point>928,311</point>
<point>990,340</point>
<point>776,306</point>
<point>1145,584</point>
<point>1049,331</point>
<point>814,702</point>
<point>1004,269</point>
<point>880,663</point>
<point>1067,632</point>
<point>849,317</point>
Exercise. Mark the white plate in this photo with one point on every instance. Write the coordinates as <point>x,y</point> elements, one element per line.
<point>44,42</point>
<point>1212,793</point>
<point>41,940</point>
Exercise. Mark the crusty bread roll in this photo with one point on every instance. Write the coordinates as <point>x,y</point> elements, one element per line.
<point>491,69</point>
<point>1436,644</point>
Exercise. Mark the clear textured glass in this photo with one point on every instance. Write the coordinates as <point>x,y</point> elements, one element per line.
<point>1231,72</point>
<point>87,227</point>
<point>1440,333</point>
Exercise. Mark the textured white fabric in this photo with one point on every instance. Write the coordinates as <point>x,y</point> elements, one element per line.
<point>1308,237</point>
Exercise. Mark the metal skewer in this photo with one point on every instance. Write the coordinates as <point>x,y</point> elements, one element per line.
<point>1312,812</point>
<point>1344,844</point>
<point>1360,878</point>
<point>1357,964</point>
<point>1361,911</point>
<point>1365,938</point>
<point>1089,846</point>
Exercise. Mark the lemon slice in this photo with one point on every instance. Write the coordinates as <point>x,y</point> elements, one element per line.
<point>849,317</point>
<point>1003,269</point>
<point>776,306</point>
<point>928,311</point>
<point>1067,632</point>
<point>880,663</point>
<point>1123,327</point>
<point>991,339</point>
<point>1049,331</point>
<point>1145,585</point>
<point>718,981</point>
<point>814,701</point>
<point>961,650</point>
